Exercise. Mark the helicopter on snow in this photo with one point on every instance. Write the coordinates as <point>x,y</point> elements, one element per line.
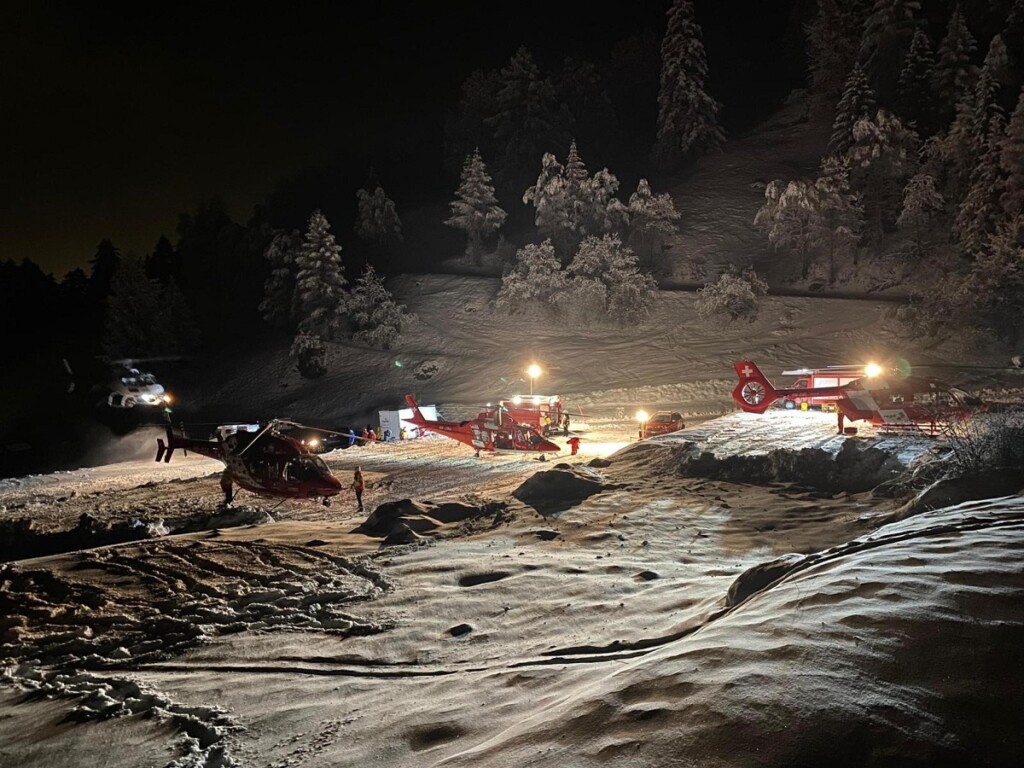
<point>266,461</point>
<point>893,403</point>
<point>492,431</point>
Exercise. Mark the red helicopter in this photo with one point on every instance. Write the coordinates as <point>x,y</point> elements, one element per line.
<point>489,431</point>
<point>264,461</point>
<point>893,403</point>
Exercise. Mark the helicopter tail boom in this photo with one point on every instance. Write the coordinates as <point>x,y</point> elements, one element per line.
<point>164,450</point>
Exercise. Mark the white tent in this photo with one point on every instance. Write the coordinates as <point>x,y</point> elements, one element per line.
<point>395,420</point>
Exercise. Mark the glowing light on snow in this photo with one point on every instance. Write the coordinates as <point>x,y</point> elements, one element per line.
<point>642,415</point>
<point>871,370</point>
<point>517,400</point>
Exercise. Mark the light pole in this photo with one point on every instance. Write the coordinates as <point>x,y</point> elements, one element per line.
<point>533,372</point>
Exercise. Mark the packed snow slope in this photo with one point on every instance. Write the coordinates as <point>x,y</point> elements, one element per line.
<point>460,353</point>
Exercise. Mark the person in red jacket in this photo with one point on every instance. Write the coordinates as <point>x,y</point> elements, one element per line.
<point>574,443</point>
<point>357,486</point>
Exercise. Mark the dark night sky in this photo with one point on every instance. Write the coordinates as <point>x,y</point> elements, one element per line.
<point>119,116</point>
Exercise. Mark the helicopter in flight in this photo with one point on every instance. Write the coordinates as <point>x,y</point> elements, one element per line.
<point>130,387</point>
<point>893,403</point>
<point>263,460</point>
<point>492,431</point>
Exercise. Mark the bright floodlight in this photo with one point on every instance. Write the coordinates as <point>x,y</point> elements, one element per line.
<point>872,369</point>
<point>517,400</point>
<point>533,372</point>
<point>641,415</point>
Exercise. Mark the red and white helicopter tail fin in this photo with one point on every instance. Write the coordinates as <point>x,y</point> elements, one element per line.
<point>754,393</point>
<point>417,415</point>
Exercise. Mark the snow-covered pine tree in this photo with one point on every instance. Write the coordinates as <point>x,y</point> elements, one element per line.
<point>887,33</point>
<point>651,222</point>
<point>629,292</point>
<point>921,204</point>
<point>571,204</point>
<point>791,217</point>
<point>378,318</point>
<point>915,94</point>
<point>687,115</point>
<point>980,212</point>
<point>954,72</point>
<point>735,295</point>
<point>279,288</point>
<point>833,39</point>
<point>377,222</point>
<point>310,355</point>
<point>883,156</point>
<point>1011,163</point>
<point>475,209</point>
<point>319,281</point>
<point>858,101</point>
<point>994,291</point>
<point>841,216</point>
<point>536,278</point>
<point>549,198</point>
<point>967,137</point>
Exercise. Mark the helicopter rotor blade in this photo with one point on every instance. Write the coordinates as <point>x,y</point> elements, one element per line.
<point>259,434</point>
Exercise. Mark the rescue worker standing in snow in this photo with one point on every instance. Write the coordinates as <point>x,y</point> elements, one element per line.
<point>547,424</point>
<point>357,486</point>
<point>574,443</point>
<point>565,426</point>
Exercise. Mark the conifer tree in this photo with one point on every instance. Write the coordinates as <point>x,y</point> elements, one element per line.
<point>858,101</point>
<point>378,318</point>
<point>536,278</point>
<point>915,95</point>
<point>651,221</point>
<point>954,72</point>
<point>475,209</point>
<point>164,265</point>
<point>628,291</point>
<point>319,280</point>
<point>980,212</point>
<point>1011,163</point>
<point>833,39</point>
<point>571,204</point>
<point>378,222</point>
<point>883,156</point>
<point>134,301</point>
<point>528,121</point>
<point>976,111</point>
<point>279,288</point>
<point>839,211</point>
<point>996,284</point>
<point>687,115</point>
<point>887,33</point>
<point>791,217</point>
<point>551,203</point>
<point>921,204</point>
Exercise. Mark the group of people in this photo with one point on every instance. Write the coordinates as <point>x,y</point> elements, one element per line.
<point>371,435</point>
<point>552,426</point>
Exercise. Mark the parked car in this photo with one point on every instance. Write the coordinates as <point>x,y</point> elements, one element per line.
<point>662,423</point>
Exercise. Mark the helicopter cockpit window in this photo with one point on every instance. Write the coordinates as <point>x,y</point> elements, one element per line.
<point>800,384</point>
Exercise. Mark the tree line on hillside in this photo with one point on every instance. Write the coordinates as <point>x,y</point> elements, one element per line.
<point>921,154</point>
<point>223,282</point>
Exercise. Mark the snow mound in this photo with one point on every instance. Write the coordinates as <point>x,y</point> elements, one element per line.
<point>835,657</point>
<point>560,488</point>
<point>406,521</point>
